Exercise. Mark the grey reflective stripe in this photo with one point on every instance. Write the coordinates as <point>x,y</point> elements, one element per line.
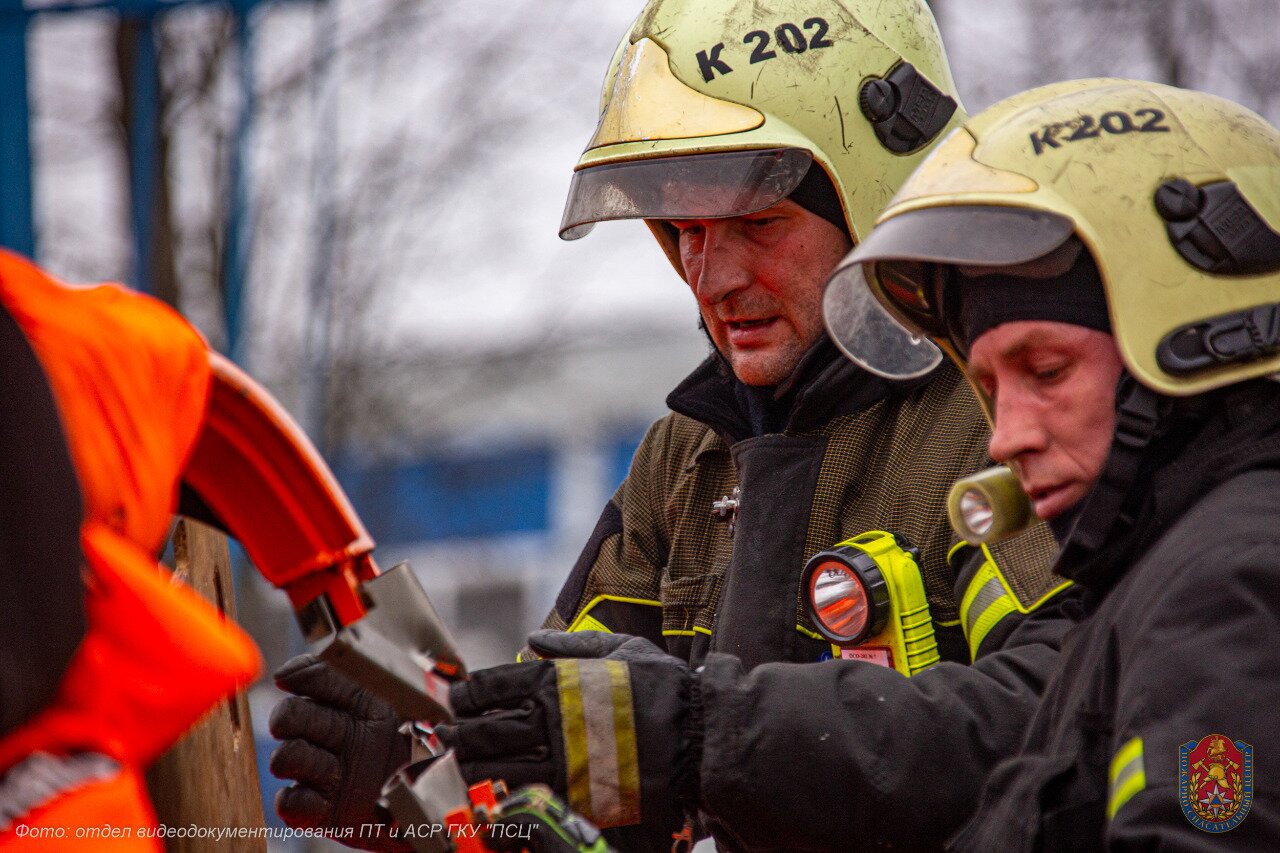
<point>1127,776</point>
<point>1127,772</point>
<point>991,592</point>
<point>600,746</point>
<point>41,777</point>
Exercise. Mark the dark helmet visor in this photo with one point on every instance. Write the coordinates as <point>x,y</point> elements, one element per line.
<point>690,186</point>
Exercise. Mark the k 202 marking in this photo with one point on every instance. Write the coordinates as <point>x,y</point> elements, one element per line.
<point>788,36</point>
<point>1115,123</point>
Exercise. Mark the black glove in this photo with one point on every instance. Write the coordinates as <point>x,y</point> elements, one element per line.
<point>341,743</point>
<point>620,738</point>
<point>596,644</point>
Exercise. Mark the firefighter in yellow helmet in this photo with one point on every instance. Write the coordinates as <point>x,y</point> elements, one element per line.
<point>1103,259</point>
<point>758,142</point>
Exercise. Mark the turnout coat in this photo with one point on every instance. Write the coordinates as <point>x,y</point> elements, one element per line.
<point>834,453</point>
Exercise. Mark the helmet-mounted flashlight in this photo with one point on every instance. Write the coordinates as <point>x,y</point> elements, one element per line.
<point>989,506</point>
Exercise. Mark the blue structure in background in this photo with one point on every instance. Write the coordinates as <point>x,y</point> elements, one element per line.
<point>469,496</point>
<point>17,228</point>
<point>620,450</point>
<point>453,497</point>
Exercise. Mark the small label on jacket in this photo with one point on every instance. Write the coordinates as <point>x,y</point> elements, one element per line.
<point>871,654</point>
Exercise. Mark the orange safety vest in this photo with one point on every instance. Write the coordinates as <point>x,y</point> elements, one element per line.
<point>131,381</point>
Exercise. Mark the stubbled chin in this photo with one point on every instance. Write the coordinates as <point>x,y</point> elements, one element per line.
<point>754,368</point>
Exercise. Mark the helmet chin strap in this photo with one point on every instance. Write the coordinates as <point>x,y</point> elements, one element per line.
<point>1140,413</point>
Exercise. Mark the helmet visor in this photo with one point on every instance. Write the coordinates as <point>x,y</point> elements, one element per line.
<point>868,334</point>
<point>890,290</point>
<point>691,186</point>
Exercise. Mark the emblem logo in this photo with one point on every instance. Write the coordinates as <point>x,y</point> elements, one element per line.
<point>1215,782</point>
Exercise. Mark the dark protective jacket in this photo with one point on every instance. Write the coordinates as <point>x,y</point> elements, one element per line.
<point>1182,643</point>
<point>850,453</point>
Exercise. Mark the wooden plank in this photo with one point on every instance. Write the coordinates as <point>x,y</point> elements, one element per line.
<point>210,777</point>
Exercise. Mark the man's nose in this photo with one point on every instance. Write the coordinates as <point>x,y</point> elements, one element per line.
<point>1017,429</point>
<point>722,264</point>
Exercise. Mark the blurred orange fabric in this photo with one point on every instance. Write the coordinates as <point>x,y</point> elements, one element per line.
<point>131,379</point>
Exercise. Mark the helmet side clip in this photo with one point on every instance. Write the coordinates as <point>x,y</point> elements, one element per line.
<point>905,109</point>
<point>1215,229</point>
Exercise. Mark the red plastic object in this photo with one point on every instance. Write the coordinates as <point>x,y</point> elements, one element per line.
<point>261,475</point>
<point>482,794</point>
<point>458,826</point>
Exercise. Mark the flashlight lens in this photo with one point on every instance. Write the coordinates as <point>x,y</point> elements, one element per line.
<point>839,600</point>
<point>976,511</point>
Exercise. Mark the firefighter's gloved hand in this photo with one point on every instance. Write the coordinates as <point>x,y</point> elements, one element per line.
<point>620,740</point>
<point>340,745</point>
<point>594,644</point>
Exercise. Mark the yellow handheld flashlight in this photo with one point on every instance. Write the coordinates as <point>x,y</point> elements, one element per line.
<point>866,597</point>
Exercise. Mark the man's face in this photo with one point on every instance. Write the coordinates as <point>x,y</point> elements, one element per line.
<point>1053,389</point>
<point>759,279</point>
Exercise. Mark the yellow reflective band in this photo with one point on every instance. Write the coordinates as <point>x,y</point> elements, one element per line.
<point>574,727</point>
<point>585,622</point>
<point>813,635</point>
<point>1128,776</point>
<point>678,632</point>
<point>984,605</point>
<point>988,599</point>
<point>624,733</point>
<point>601,756</point>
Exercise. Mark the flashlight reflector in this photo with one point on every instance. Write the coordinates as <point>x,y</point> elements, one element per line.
<point>976,510</point>
<point>839,600</point>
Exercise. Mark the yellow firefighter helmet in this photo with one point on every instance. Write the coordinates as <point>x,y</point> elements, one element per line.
<point>717,108</point>
<point>1175,194</point>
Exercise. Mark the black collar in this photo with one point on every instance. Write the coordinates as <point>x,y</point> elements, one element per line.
<point>823,386</point>
<point>1203,441</point>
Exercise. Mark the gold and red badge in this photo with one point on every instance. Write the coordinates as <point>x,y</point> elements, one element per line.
<point>1215,782</point>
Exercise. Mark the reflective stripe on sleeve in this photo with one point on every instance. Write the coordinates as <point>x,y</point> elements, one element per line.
<point>988,599</point>
<point>41,777</point>
<point>1128,776</point>
<point>597,720</point>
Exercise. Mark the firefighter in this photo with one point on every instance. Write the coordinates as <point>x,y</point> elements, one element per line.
<point>757,142</point>
<point>107,399</point>
<point>1102,257</point>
